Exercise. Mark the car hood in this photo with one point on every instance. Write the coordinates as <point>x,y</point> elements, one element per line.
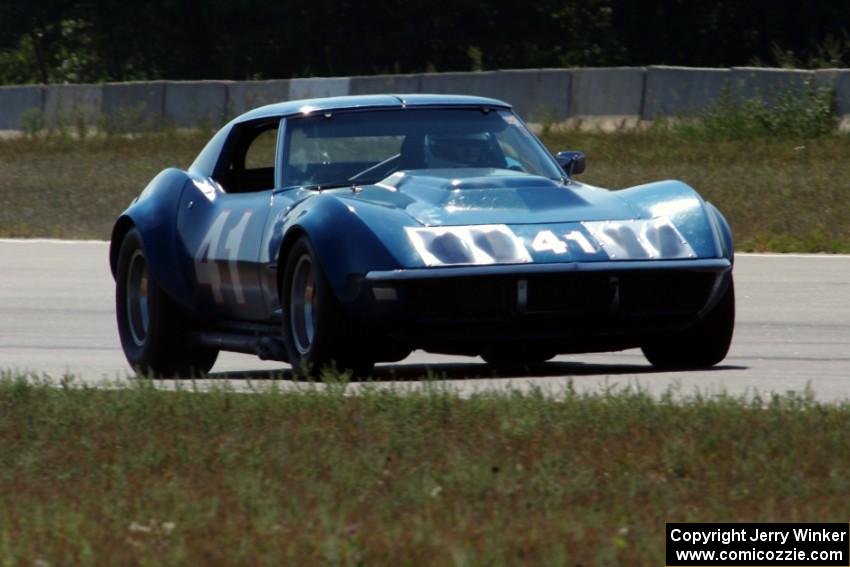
<point>452,197</point>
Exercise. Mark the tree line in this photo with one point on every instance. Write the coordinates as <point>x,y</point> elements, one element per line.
<point>56,41</point>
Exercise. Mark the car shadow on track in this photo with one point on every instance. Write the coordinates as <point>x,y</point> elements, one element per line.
<point>470,371</point>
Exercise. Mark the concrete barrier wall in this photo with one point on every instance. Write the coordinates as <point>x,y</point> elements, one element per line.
<point>244,95</point>
<point>134,105</point>
<point>17,103</point>
<point>615,91</point>
<point>768,84</point>
<point>378,84</point>
<point>538,95</point>
<point>190,103</point>
<point>319,88</point>
<point>682,91</point>
<point>69,105</point>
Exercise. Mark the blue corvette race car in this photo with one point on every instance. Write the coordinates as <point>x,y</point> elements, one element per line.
<point>353,230</point>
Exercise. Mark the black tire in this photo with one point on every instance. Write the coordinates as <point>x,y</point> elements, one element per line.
<point>317,333</point>
<point>154,332</point>
<point>701,346</point>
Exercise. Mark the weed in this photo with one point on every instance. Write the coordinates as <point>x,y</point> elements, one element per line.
<point>547,117</point>
<point>126,120</point>
<point>137,475</point>
<point>32,122</point>
<point>807,112</point>
<point>476,58</point>
<point>80,123</point>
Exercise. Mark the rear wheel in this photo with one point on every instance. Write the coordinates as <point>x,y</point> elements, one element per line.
<point>316,330</point>
<point>154,332</point>
<point>700,346</point>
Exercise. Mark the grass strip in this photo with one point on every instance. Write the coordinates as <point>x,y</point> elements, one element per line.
<point>139,476</point>
<point>779,194</point>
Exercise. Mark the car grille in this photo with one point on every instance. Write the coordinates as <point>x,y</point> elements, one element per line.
<point>569,295</point>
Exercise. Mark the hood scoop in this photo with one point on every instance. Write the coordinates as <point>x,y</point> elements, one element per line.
<point>450,197</point>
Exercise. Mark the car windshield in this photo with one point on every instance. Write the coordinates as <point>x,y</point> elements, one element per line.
<point>363,147</point>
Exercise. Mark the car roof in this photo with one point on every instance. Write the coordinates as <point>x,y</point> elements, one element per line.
<point>209,156</point>
<point>308,106</point>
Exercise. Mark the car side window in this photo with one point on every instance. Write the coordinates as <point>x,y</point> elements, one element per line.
<point>260,153</point>
<point>250,159</point>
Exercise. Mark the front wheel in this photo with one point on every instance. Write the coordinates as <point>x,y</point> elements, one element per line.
<point>316,330</point>
<point>700,346</point>
<point>154,332</point>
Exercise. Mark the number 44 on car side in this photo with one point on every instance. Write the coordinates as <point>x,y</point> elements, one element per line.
<point>348,231</point>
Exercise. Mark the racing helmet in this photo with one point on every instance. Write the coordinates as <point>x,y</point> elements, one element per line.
<point>453,150</point>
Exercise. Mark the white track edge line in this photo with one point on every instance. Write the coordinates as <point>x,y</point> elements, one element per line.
<point>791,255</point>
<point>746,254</point>
<point>49,241</point>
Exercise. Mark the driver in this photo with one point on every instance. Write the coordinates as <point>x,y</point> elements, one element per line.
<point>452,151</point>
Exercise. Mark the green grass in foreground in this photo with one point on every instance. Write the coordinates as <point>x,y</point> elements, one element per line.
<point>779,193</point>
<point>142,476</point>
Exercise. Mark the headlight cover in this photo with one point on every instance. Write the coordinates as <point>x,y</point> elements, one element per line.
<point>480,244</point>
<point>640,239</point>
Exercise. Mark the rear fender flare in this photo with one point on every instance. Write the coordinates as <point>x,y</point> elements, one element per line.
<point>154,215</point>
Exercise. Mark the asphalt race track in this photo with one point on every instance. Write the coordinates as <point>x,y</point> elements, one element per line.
<point>793,331</point>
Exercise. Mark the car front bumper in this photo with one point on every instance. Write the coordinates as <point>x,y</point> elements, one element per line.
<point>570,307</point>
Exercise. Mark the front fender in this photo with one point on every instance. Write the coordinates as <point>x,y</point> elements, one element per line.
<point>346,246</point>
<point>685,208</point>
<point>724,230</point>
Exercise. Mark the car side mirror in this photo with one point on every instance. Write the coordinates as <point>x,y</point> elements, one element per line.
<point>572,162</point>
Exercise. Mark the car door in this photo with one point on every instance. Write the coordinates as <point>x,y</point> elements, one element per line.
<point>221,221</point>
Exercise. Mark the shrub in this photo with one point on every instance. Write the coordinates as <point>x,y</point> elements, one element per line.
<point>32,122</point>
<point>802,113</point>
